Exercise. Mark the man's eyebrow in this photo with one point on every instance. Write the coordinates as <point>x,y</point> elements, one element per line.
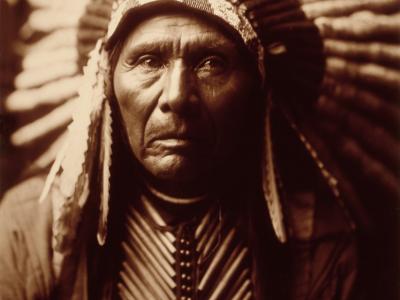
<point>208,43</point>
<point>153,46</point>
<point>204,43</point>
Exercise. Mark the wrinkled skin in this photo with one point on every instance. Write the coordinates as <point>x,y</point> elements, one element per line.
<point>183,90</point>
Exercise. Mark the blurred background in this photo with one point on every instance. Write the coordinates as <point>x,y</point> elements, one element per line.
<point>38,83</point>
<point>339,58</point>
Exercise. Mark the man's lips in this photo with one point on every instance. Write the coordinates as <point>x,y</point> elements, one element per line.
<point>184,136</point>
<point>175,142</point>
<point>179,140</point>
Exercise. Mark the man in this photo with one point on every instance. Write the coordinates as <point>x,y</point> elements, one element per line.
<point>168,188</point>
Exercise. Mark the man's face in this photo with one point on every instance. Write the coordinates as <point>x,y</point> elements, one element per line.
<point>183,90</point>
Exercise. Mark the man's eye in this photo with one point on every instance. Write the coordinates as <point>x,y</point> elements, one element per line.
<point>211,66</point>
<point>149,63</point>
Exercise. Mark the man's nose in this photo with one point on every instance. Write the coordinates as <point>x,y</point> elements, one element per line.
<point>178,91</point>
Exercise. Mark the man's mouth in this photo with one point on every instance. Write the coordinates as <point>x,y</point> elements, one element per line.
<point>180,142</point>
<point>176,142</point>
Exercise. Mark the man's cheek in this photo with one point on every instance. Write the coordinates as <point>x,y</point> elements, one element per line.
<point>134,131</point>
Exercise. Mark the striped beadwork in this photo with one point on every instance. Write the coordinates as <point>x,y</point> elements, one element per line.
<point>206,259</point>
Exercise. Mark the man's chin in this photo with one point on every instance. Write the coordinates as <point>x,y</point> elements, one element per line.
<point>177,168</point>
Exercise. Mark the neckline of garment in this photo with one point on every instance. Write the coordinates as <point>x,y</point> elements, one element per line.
<point>175,200</point>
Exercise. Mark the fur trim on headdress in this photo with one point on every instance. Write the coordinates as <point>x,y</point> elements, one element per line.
<point>74,164</point>
<point>270,187</point>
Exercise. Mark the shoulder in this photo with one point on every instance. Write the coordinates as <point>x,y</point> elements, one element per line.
<point>324,248</point>
<point>22,217</point>
<point>25,235</point>
<point>19,208</point>
<point>22,196</point>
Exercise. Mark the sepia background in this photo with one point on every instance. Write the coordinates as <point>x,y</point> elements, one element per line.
<point>340,58</point>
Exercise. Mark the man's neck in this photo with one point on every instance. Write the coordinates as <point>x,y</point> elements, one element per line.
<point>172,199</point>
<point>175,210</point>
<point>178,191</point>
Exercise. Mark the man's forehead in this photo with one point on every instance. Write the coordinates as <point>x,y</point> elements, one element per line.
<point>180,27</point>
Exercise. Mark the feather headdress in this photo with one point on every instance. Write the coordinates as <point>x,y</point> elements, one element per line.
<point>90,141</point>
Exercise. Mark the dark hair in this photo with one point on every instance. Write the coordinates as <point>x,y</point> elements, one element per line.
<point>114,54</point>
